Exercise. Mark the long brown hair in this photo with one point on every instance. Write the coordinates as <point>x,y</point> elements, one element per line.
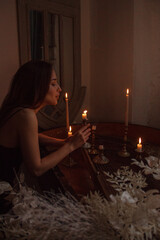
<point>29,86</point>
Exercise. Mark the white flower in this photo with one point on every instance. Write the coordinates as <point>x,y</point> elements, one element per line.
<point>126,197</point>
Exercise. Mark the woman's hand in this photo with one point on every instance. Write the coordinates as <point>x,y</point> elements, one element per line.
<point>80,137</point>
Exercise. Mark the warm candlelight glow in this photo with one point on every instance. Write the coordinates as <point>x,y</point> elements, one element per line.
<point>70,131</point>
<point>139,145</point>
<point>127,92</point>
<point>66,95</point>
<point>84,115</point>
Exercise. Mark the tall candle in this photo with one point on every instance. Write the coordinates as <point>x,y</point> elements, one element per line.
<point>127,107</point>
<point>70,131</point>
<point>84,115</point>
<point>139,146</point>
<point>67,111</point>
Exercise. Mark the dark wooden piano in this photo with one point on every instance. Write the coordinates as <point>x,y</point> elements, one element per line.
<point>86,175</point>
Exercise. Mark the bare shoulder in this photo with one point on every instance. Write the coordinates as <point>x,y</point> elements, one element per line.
<point>27,113</point>
<point>26,117</point>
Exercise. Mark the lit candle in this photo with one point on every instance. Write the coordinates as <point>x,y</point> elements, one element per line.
<point>84,115</point>
<point>127,107</point>
<point>70,131</point>
<point>67,111</point>
<point>139,146</point>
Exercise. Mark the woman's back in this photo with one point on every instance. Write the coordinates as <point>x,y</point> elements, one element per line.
<point>8,129</point>
<point>10,153</point>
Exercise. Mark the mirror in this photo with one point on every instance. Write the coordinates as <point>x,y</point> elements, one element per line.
<point>54,42</point>
<point>36,35</point>
<point>50,31</point>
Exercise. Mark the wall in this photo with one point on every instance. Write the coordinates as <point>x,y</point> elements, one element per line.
<point>85,56</point>
<point>9,58</point>
<point>124,52</point>
<point>146,82</point>
<point>111,58</point>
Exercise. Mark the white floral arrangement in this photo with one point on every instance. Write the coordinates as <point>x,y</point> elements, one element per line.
<point>53,217</point>
<point>125,179</point>
<point>131,214</point>
<point>151,166</point>
<point>135,213</point>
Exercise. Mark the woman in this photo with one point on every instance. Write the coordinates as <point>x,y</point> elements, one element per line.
<point>34,86</point>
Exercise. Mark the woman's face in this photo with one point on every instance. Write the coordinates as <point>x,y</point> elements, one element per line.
<point>54,90</point>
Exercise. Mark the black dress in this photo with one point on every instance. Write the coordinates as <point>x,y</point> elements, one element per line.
<point>10,158</point>
<point>10,161</point>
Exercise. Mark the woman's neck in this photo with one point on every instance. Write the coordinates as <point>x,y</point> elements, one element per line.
<point>36,110</point>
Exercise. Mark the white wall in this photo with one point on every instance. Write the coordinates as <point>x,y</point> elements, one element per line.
<point>9,57</point>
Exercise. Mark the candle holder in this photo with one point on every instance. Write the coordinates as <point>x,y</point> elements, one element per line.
<point>123,152</point>
<point>101,158</point>
<point>139,154</point>
<point>69,162</point>
<point>93,149</point>
<point>86,145</point>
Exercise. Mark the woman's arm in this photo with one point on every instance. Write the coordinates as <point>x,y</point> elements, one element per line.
<point>50,141</point>
<point>29,143</point>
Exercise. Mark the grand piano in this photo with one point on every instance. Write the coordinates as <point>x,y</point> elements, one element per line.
<point>86,175</point>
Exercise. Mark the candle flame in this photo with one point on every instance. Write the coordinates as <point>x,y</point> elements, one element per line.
<point>70,129</point>
<point>140,140</point>
<point>85,111</point>
<point>127,92</point>
<point>66,95</point>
